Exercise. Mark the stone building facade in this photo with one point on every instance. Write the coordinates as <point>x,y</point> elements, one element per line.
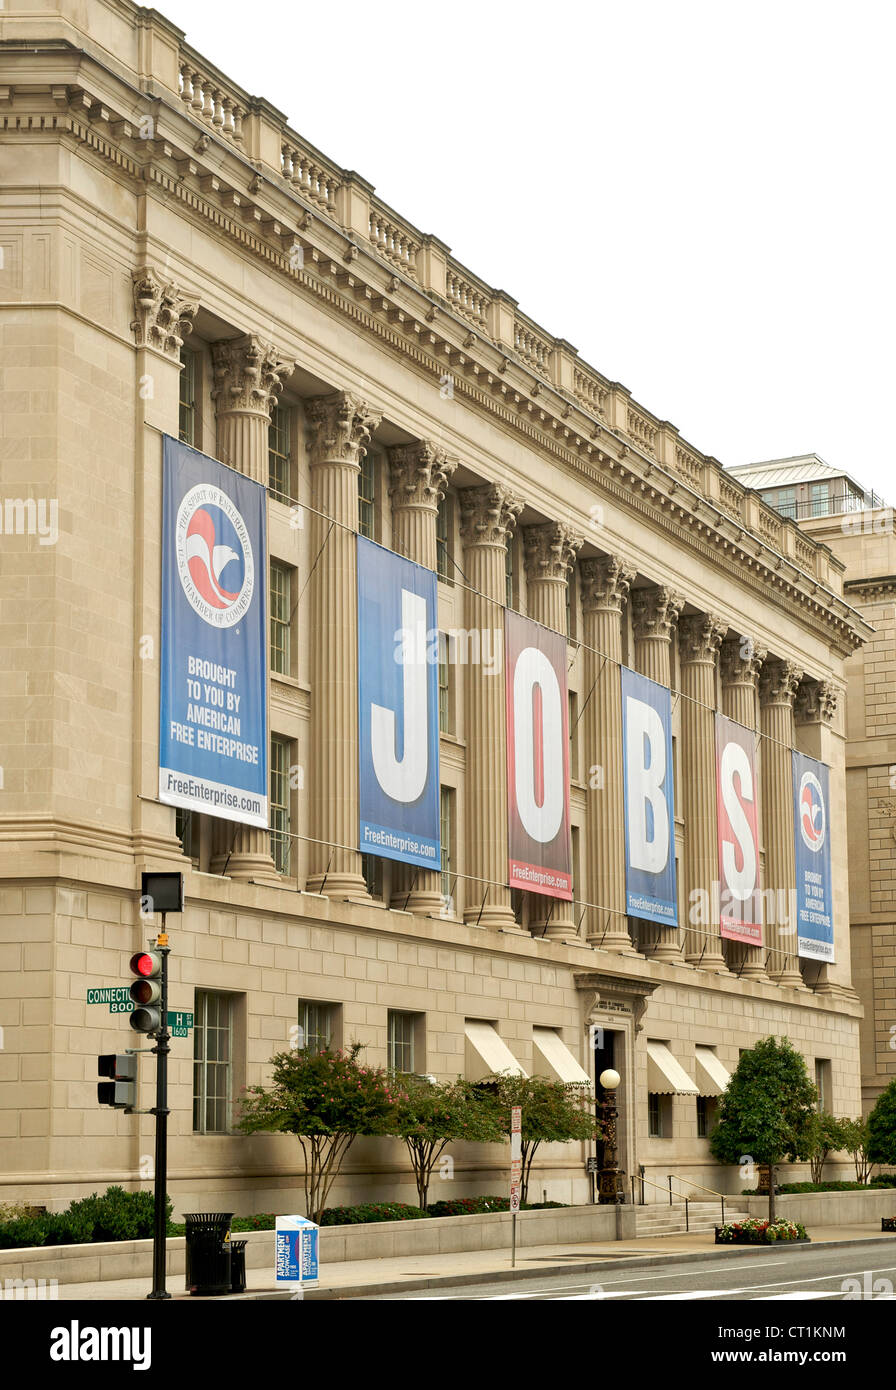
<point>177,260</point>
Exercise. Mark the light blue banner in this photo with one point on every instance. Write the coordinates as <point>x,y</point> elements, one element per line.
<point>650,889</point>
<point>812,844</point>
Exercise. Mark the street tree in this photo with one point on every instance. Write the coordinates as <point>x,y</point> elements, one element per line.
<point>826,1134</point>
<point>856,1139</point>
<point>553,1112</point>
<point>882,1127</point>
<point>431,1116</point>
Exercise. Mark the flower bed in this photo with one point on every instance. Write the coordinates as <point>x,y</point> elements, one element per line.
<point>888,1223</point>
<point>755,1232</point>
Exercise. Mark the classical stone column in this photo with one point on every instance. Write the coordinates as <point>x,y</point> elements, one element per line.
<point>605,583</point>
<point>699,638</point>
<point>550,549</point>
<point>655,613</point>
<point>814,709</point>
<point>488,517</point>
<point>777,687</point>
<point>248,375</point>
<point>740,663</point>
<point>418,478</point>
<point>341,425</point>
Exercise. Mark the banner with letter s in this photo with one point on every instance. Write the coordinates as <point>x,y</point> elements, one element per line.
<point>814,905</point>
<point>537,758</point>
<point>650,885</point>
<point>740,916</point>
<point>398,708</point>
<point>213,741</point>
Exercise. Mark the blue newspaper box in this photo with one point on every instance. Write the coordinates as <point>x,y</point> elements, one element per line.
<point>295,1252</point>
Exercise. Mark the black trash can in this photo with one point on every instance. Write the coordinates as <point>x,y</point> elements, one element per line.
<point>238,1266</point>
<point>208,1251</point>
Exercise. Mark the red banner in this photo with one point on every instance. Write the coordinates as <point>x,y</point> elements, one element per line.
<point>537,758</point>
<point>740,913</point>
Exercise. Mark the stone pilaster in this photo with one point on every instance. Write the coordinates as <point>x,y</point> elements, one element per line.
<point>341,425</point>
<point>550,549</point>
<point>740,663</point>
<point>488,517</point>
<point>655,613</point>
<point>605,584</point>
<point>248,375</point>
<point>418,478</point>
<point>778,684</point>
<point>699,638</point>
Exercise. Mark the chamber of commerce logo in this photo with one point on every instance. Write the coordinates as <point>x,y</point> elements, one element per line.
<point>812,817</point>
<point>214,556</point>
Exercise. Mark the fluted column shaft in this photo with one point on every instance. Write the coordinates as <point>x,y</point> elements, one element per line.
<point>699,638</point>
<point>605,586</point>
<point>418,477</point>
<point>488,516</point>
<point>550,554</point>
<point>741,661</point>
<point>247,375</point>
<point>342,425</point>
<point>655,613</point>
<point>777,689</point>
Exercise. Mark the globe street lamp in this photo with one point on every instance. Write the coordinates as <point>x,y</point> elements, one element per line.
<point>608,1193</point>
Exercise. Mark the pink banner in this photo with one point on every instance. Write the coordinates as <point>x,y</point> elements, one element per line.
<point>537,758</point>
<point>737,791</point>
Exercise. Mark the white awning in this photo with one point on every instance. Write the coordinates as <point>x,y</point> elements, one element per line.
<point>712,1078</point>
<point>486,1053</point>
<point>561,1064</point>
<point>665,1076</point>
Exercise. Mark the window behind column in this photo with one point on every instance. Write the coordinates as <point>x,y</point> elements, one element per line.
<point>446,807</point>
<point>186,429</point>
<point>212,1062</point>
<point>281,841</point>
<point>367,496</point>
<point>444,560</point>
<point>279,480</point>
<point>281,615</point>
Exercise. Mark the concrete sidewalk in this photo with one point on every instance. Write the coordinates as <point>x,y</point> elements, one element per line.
<point>358,1278</point>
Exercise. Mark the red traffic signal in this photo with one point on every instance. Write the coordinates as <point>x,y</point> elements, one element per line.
<point>146,991</point>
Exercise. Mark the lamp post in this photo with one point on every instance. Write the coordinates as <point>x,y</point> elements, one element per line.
<point>608,1193</point>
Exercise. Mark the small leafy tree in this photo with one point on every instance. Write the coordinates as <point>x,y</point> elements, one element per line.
<point>325,1099</point>
<point>882,1127</point>
<point>766,1111</point>
<point>553,1113</point>
<point>430,1116</point>
<point>856,1139</point>
<point>826,1133</point>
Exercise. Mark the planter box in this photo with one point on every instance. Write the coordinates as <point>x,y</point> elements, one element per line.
<point>800,1240</point>
<point>888,1223</point>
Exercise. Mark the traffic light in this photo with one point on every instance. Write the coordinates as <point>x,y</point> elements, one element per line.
<point>146,992</point>
<point>121,1090</point>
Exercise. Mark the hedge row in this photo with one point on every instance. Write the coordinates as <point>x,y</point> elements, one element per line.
<point>883,1180</point>
<point>117,1215</point>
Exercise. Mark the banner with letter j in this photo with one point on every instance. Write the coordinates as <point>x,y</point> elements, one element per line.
<point>814,906</point>
<point>398,708</point>
<point>650,888</point>
<point>213,689</point>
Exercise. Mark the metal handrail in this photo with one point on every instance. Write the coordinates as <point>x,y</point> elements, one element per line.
<point>642,1180</point>
<point>703,1188</point>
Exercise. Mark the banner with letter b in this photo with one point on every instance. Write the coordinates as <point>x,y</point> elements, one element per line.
<point>650,884</point>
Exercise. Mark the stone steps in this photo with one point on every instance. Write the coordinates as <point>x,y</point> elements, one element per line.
<point>658,1219</point>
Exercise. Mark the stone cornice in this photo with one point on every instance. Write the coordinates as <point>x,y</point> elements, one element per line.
<point>487,378</point>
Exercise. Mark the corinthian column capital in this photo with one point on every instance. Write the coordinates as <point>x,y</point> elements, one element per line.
<point>418,474</point>
<point>700,636</point>
<point>778,681</point>
<point>341,427</point>
<point>816,702</point>
<point>163,313</point>
<point>741,661</point>
<point>655,611</point>
<point>551,549</point>
<point>248,375</point>
<point>488,514</point>
<point>605,582</point>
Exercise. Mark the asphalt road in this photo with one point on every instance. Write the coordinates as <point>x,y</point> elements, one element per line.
<point>859,1273</point>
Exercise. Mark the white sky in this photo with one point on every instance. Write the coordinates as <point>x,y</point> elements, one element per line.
<point>697,195</point>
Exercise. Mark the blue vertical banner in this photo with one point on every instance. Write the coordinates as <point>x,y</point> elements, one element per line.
<point>650,889</point>
<point>398,708</point>
<point>811,823</point>
<point>213,694</point>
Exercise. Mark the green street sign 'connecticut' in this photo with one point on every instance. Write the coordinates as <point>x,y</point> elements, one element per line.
<point>119,1000</point>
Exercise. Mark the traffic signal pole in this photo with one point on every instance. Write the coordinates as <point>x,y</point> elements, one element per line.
<point>160,1111</point>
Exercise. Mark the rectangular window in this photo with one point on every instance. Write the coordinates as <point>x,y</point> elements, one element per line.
<point>823,1082</point>
<point>446,808</point>
<point>401,1041</point>
<point>517,904</point>
<point>446,692</point>
<point>186,828</point>
<point>281,842</point>
<point>281,614</point>
<point>702,1117</point>
<point>786,502</point>
<point>820,497</point>
<point>212,1062</point>
<point>571,605</point>
<point>654,1115</point>
<point>508,573</point>
<point>372,869</point>
<point>278,453</point>
<point>186,430</point>
<point>315,1026</point>
<point>367,496</point>
<point>574,771</point>
<point>444,562</point>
